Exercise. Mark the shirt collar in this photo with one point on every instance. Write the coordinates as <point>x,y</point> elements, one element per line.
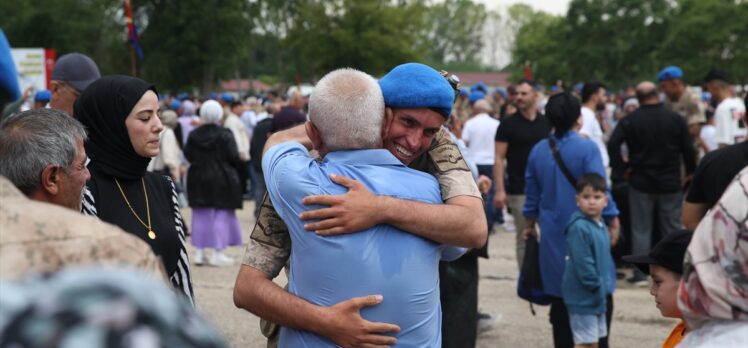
<point>367,157</point>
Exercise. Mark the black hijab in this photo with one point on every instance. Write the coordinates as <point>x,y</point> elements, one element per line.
<point>563,110</point>
<point>102,108</point>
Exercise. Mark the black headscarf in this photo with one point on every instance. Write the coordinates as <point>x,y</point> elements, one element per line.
<point>102,108</point>
<point>563,110</point>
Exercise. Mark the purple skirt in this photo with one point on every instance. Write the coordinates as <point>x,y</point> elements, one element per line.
<point>215,228</point>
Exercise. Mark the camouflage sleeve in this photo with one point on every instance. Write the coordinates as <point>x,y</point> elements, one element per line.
<point>445,162</point>
<point>269,245</point>
<point>694,112</point>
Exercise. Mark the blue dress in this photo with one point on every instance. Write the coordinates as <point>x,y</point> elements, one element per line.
<point>551,199</point>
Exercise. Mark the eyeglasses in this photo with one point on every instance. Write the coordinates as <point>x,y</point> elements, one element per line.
<point>453,80</point>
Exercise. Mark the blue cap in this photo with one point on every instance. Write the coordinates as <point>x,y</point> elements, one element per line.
<point>8,74</point>
<point>227,97</point>
<point>415,85</point>
<point>476,96</point>
<point>213,95</point>
<point>500,91</point>
<point>175,104</point>
<point>480,86</point>
<point>670,73</point>
<point>554,88</point>
<point>42,96</point>
<point>578,87</point>
<point>464,91</point>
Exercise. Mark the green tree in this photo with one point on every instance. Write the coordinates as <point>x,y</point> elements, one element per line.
<point>455,36</point>
<point>707,34</point>
<point>372,36</point>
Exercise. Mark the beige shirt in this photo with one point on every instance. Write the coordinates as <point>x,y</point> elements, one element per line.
<point>237,128</point>
<point>689,106</point>
<point>41,237</point>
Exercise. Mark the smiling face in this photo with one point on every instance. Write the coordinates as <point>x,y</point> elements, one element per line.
<point>144,125</point>
<point>665,289</point>
<point>409,132</point>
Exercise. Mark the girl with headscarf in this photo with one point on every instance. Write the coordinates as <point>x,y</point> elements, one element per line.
<point>551,202</point>
<point>121,114</point>
<point>214,190</point>
<point>713,294</point>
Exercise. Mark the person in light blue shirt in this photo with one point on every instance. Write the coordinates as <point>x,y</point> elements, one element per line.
<point>346,114</point>
<point>551,202</point>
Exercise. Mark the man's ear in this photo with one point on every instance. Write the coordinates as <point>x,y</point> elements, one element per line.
<point>313,133</point>
<point>388,119</point>
<point>50,179</point>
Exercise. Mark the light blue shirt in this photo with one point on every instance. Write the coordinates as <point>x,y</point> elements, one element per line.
<point>381,260</point>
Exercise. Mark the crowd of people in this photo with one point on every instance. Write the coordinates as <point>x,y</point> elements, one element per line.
<point>377,196</point>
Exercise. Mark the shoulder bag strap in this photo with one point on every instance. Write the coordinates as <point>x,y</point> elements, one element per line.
<point>560,162</point>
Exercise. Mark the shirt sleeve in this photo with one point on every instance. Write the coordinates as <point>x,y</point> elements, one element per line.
<point>503,132</point>
<point>723,126</point>
<point>531,210</point>
<point>269,246</point>
<point>447,164</point>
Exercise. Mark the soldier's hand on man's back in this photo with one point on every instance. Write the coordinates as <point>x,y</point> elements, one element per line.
<point>353,211</point>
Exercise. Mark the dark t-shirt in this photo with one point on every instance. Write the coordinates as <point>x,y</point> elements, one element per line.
<point>521,135</point>
<point>715,173</point>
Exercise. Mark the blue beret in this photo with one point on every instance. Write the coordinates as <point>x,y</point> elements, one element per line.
<point>670,73</point>
<point>502,92</point>
<point>8,74</point>
<point>480,86</point>
<point>182,96</point>
<point>414,85</point>
<point>578,87</point>
<point>227,97</point>
<point>554,88</point>
<point>464,91</point>
<point>175,104</point>
<point>42,96</point>
<point>476,96</point>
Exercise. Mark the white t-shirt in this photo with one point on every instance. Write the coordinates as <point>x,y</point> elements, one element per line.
<point>707,136</point>
<point>728,122</point>
<point>479,133</point>
<point>591,129</point>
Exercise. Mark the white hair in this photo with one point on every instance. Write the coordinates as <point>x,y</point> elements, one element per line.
<point>211,111</point>
<point>482,105</point>
<point>347,107</point>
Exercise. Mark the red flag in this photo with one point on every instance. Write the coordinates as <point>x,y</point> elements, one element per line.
<point>132,30</point>
<point>528,71</point>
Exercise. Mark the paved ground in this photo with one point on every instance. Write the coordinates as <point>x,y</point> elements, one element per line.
<point>636,322</point>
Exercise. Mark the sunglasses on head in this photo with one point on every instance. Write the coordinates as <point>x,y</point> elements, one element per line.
<point>453,80</point>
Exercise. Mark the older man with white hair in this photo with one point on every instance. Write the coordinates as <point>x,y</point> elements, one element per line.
<point>478,134</point>
<point>345,128</point>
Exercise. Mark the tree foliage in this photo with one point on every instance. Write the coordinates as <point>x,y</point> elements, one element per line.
<point>624,41</point>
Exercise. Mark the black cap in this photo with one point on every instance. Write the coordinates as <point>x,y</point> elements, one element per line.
<point>668,253</point>
<point>716,74</point>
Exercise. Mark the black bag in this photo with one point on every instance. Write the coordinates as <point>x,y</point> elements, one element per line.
<point>530,284</point>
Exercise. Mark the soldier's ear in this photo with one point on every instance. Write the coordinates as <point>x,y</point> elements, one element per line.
<point>50,179</point>
<point>388,118</point>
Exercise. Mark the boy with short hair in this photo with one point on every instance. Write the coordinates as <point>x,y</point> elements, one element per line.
<point>665,264</point>
<point>586,281</point>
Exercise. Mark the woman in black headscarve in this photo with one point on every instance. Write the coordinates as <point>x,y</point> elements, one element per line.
<point>121,114</point>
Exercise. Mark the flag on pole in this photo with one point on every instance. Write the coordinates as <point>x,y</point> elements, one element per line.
<point>528,71</point>
<point>132,31</point>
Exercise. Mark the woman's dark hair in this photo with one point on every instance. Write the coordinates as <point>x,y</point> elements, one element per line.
<point>563,110</point>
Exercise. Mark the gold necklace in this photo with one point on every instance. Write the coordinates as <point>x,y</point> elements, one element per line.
<point>151,234</point>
